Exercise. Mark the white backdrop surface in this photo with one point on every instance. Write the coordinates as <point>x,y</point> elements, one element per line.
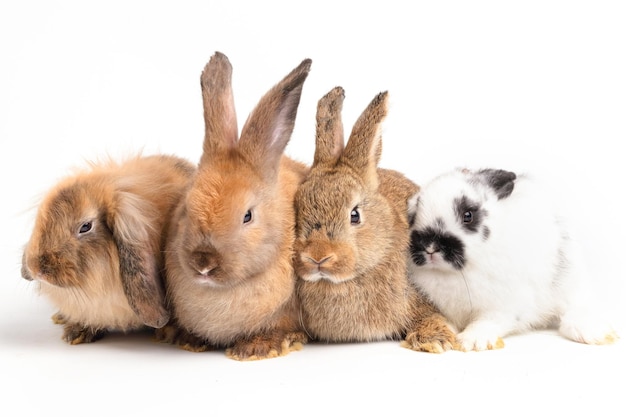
<point>528,86</point>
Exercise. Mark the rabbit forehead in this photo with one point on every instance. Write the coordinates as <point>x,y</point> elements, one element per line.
<point>331,193</point>
<point>217,197</point>
<point>65,208</point>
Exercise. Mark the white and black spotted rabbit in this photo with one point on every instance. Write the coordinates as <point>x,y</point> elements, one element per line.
<point>492,252</point>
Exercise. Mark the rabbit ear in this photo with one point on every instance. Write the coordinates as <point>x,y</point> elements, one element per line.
<point>268,129</point>
<point>139,272</point>
<point>220,121</point>
<point>329,128</point>
<point>502,182</point>
<point>364,146</point>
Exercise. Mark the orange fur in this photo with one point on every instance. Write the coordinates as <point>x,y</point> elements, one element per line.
<point>352,239</point>
<point>231,282</point>
<point>128,205</point>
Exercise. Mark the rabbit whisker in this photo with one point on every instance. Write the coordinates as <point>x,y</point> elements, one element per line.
<point>469,294</point>
<point>301,319</point>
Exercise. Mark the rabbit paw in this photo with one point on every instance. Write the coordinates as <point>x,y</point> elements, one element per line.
<point>180,337</point>
<point>586,328</point>
<point>475,341</point>
<point>58,318</point>
<point>266,346</point>
<point>74,333</point>
<point>432,335</point>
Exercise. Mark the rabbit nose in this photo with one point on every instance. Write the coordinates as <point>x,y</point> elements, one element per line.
<point>321,261</point>
<point>432,248</point>
<point>204,261</point>
<point>206,271</point>
<point>25,271</point>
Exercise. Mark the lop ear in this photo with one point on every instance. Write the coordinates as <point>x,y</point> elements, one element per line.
<point>130,221</point>
<point>268,129</point>
<point>220,120</point>
<point>329,128</point>
<point>364,147</point>
<point>502,182</point>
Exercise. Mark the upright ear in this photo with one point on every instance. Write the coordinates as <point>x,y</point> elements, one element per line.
<point>220,120</point>
<point>502,182</point>
<point>364,146</point>
<point>329,128</point>
<point>130,222</point>
<point>268,129</point>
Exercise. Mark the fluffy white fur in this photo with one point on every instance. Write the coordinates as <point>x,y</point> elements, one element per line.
<point>522,269</point>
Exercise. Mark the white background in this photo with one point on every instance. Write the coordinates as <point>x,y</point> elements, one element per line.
<point>531,86</point>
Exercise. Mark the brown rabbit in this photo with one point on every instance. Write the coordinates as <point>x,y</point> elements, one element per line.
<point>230,279</point>
<point>352,240</point>
<point>96,246</point>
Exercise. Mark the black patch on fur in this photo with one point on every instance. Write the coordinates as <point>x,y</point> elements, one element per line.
<point>317,226</point>
<point>450,246</point>
<point>502,182</point>
<point>463,205</point>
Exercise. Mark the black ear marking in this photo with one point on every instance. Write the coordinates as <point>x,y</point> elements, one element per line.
<point>501,181</point>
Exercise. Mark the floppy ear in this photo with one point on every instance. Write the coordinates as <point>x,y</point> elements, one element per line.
<point>502,182</point>
<point>220,120</point>
<point>268,129</point>
<point>329,128</point>
<point>364,146</point>
<point>130,221</point>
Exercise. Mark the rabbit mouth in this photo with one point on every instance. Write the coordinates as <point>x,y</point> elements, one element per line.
<point>324,276</point>
<point>211,278</point>
<point>208,280</point>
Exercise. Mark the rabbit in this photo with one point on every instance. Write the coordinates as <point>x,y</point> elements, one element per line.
<point>96,246</point>
<point>496,256</point>
<point>352,240</point>
<point>230,281</point>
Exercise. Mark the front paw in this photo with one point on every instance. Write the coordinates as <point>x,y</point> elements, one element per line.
<point>432,334</point>
<point>473,341</point>
<point>75,333</point>
<point>175,335</point>
<point>58,318</point>
<point>266,346</point>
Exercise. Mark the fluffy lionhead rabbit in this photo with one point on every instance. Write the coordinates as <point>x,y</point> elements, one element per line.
<point>230,278</point>
<point>492,252</point>
<point>96,246</point>
<point>352,240</point>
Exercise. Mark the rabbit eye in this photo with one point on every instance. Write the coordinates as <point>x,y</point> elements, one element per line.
<point>85,227</point>
<point>355,216</point>
<point>468,217</point>
<point>247,217</point>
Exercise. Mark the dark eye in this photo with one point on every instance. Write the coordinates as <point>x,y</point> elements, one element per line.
<point>355,216</point>
<point>468,216</point>
<point>247,217</point>
<point>85,227</point>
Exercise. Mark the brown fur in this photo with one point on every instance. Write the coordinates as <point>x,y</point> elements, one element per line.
<point>109,278</point>
<point>230,282</point>
<point>354,284</point>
